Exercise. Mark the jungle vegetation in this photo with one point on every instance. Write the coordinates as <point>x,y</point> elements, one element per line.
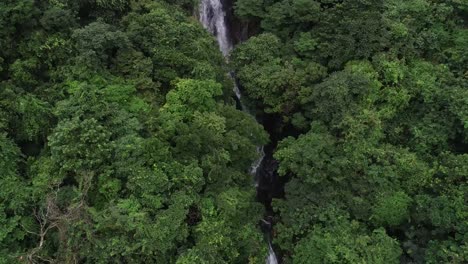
<point>120,141</point>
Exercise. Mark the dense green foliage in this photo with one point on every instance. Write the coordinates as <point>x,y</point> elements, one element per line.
<point>116,145</point>
<point>120,143</point>
<point>378,92</point>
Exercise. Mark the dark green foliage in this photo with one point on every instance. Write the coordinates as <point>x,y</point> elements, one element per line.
<point>176,46</point>
<point>115,144</point>
<point>377,91</point>
<point>119,142</point>
<point>344,241</point>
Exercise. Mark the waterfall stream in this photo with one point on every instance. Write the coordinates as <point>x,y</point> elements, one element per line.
<point>213,18</point>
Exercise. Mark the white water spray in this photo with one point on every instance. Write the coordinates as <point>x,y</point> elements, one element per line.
<point>271,259</point>
<point>213,18</point>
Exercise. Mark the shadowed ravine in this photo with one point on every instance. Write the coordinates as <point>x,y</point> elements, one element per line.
<point>213,17</point>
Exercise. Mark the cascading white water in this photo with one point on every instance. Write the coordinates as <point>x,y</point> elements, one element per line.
<point>271,259</point>
<point>258,162</point>
<point>213,18</point>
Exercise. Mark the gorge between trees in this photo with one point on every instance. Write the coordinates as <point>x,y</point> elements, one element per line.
<point>216,17</point>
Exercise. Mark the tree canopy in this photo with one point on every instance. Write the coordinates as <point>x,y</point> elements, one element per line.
<point>117,144</point>
<point>120,140</point>
<point>376,92</point>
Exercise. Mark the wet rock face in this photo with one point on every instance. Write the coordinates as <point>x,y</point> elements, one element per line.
<point>270,184</point>
<point>240,31</point>
<point>267,180</point>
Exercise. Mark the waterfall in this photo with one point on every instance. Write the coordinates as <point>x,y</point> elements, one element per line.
<point>213,18</point>
<point>271,259</point>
